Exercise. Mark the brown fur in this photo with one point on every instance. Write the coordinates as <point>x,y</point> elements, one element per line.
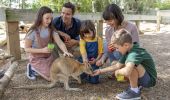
<point>61,69</point>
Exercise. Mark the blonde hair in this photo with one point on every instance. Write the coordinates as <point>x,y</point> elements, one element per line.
<point>120,37</point>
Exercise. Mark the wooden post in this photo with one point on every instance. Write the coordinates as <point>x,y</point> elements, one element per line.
<point>99,28</point>
<point>93,6</point>
<point>158,19</point>
<point>13,41</point>
<point>137,24</point>
<point>2,14</point>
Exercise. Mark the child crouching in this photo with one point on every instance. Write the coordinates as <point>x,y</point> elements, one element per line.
<point>136,64</point>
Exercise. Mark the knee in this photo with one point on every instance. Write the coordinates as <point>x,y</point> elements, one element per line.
<point>133,74</point>
<point>141,70</point>
<point>94,80</point>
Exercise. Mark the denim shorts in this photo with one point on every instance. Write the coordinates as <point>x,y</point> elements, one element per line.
<point>145,80</point>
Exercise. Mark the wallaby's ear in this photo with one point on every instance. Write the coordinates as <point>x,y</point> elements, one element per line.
<point>85,63</point>
<point>88,66</point>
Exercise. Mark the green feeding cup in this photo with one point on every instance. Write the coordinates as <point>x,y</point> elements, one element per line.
<point>50,46</point>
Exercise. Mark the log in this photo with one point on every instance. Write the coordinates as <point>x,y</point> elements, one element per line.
<point>6,66</point>
<point>4,57</point>
<point>4,81</point>
<point>3,42</point>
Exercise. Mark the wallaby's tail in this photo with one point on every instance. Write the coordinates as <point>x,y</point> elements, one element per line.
<point>41,86</point>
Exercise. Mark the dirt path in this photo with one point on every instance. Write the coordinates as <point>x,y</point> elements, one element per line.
<point>157,44</point>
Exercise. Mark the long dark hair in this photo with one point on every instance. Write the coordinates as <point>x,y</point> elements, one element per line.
<point>113,11</point>
<point>39,18</point>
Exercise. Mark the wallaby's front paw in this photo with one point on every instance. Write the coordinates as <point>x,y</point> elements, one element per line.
<point>68,54</point>
<point>79,81</point>
<point>78,89</point>
<point>74,89</point>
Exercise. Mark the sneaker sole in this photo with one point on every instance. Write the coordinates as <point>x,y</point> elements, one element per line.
<point>137,98</point>
<point>35,73</point>
<point>27,73</point>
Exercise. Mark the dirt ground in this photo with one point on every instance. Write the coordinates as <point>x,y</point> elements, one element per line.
<point>157,43</point>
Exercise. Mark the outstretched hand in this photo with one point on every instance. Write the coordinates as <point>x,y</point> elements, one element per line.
<point>68,54</point>
<point>99,62</point>
<point>96,72</point>
<point>117,72</point>
<point>66,36</point>
<point>70,43</point>
<point>111,47</point>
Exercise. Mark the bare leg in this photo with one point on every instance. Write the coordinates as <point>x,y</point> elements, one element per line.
<point>52,84</point>
<point>136,73</point>
<point>133,78</point>
<point>141,70</point>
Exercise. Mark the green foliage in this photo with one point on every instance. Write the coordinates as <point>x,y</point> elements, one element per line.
<point>101,4</point>
<point>134,6</point>
<point>5,3</point>
<point>20,4</point>
<point>50,3</point>
<point>138,6</point>
<point>81,5</point>
<point>36,6</point>
<point>163,6</point>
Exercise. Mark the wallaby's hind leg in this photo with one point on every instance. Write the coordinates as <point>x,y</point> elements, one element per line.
<point>63,78</point>
<point>77,78</point>
<point>52,84</point>
<point>67,87</point>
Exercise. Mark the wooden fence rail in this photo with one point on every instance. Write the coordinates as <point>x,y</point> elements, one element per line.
<point>13,16</point>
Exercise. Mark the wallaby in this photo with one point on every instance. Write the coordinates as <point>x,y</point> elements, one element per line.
<point>62,68</point>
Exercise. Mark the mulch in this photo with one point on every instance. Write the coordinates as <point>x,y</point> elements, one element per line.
<point>156,43</point>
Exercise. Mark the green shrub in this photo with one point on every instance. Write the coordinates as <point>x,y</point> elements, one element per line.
<point>163,6</point>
